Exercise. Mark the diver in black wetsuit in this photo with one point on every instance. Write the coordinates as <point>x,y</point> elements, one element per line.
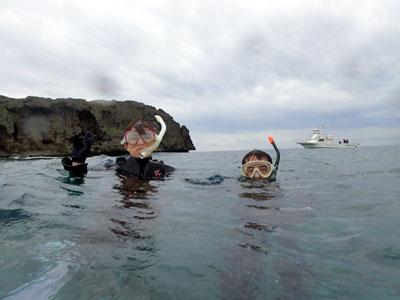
<point>140,140</point>
<point>257,164</point>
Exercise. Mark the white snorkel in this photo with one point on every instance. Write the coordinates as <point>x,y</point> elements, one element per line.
<point>147,152</point>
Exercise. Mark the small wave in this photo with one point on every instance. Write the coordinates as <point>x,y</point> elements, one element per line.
<point>262,207</point>
<point>31,157</point>
<point>58,270</point>
<point>254,247</point>
<point>50,249</point>
<point>344,186</point>
<point>8,216</point>
<point>267,228</point>
<point>78,206</point>
<point>213,180</point>
<point>22,199</point>
<point>258,196</point>
<point>72,192</point>
<point>300,209</point>
<point>389,256</point>
<point>3,180</point>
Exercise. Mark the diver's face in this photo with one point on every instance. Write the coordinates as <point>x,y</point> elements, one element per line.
<point>261,167</point>
<point>134,150</point>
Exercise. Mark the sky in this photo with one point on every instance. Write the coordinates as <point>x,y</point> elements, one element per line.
<point>233,72</point>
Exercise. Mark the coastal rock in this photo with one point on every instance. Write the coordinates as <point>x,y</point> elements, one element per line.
<point>36,126</point>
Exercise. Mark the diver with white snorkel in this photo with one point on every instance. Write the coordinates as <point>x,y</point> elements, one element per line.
<point>139,139</point>
<point>257,164</point>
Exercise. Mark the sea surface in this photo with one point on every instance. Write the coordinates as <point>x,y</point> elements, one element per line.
<point>327,228</point>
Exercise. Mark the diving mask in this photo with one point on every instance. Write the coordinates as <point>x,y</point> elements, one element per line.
<point>253,168</point>
<point>132,137</point>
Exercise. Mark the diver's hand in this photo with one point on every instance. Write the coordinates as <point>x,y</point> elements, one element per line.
<point>81,147</point>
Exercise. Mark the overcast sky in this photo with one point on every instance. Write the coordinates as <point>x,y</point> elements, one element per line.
<point>233,72</point>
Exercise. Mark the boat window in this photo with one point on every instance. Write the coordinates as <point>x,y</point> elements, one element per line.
<point>320,140</point>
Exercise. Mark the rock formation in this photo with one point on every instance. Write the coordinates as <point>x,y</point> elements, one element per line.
<point>36,126</point>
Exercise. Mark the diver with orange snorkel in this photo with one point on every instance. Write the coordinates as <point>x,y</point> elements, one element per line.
<point>257,164</point>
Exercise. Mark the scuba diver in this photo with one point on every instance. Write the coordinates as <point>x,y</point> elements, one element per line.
<point>139,139</point>
<point>257,164</point>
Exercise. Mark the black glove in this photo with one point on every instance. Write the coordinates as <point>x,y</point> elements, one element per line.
<point>81,146</point>
<point>154,170</point>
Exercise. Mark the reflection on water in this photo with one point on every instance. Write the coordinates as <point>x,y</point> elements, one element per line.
<point>247,259</point>
<point>260,190</point>
<point>267,228</point>
<point>8,217</point>
<point>72,180</point>
<point>246,273</point>
<point>135,193</point>
<point>72,184</point>
<point>263,195</point>
<point>118,238</point>
<point>260,227</point>
<point>124,216</point>
<point>137,196</point>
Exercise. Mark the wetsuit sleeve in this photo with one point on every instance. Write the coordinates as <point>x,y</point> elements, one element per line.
<point>79,170</point>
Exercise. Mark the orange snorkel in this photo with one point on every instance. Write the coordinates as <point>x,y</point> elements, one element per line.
<point>278,154</point>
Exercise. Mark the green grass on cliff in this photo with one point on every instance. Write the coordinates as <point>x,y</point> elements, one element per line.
<point>3,113</point>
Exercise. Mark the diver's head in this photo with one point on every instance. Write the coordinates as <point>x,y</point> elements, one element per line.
<point>257,164</point>
<point>139,135</point>
<point>256,155</point>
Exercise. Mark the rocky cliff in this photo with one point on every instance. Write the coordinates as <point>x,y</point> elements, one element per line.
<point>36,126</point>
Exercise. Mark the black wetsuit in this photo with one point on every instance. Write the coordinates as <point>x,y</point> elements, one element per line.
<point>142,168</point>
<point>133,167</point>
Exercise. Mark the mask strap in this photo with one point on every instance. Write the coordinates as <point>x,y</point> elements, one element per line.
<point>139,128</point>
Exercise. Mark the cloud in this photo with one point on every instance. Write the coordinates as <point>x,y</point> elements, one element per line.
<point>221,67</point>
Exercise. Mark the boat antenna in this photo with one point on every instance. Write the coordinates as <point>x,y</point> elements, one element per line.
<point>278,154</point>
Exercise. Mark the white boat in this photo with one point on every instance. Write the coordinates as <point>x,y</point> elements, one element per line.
<point>319,140</point>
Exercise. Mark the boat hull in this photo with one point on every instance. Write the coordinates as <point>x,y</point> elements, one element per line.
<point>325,145</point>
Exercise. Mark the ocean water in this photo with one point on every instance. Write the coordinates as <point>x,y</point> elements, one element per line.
<point>328,228</point>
